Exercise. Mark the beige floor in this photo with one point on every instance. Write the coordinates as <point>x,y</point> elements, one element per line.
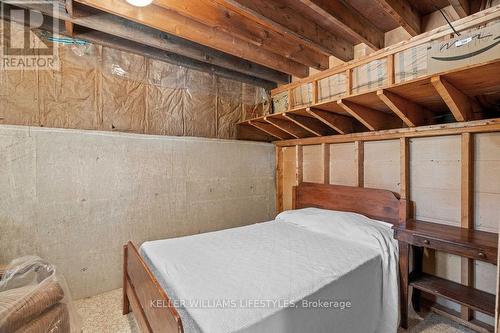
<point>102,313</point>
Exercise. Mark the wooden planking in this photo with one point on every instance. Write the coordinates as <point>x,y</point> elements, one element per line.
<point>312,125</point>
<point>176,24</point>
<point>348,21</point>
<point>360,163</point>
<point>404,14</point>
<point>410,113</point>
<point>374,120</point>
<point>467,210</point>
<point>339,123</point>
<point>458,103</point>
<point>325,149</point>
<point>279,179</point>
<point>288,126</point>
<point>288,22</point>
<point>218,17</point>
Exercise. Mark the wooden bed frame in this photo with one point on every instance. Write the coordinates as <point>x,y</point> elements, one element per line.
<point>153,308</point>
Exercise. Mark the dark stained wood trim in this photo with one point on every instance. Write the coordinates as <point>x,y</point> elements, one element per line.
<point>359,147</point>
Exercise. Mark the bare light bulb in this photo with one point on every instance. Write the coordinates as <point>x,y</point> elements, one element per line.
<point>140,3</point>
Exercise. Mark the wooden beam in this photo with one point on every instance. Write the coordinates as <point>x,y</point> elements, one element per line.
<point>348,20</point>
<point>410,113</point>
<point>279,179</point>
<point>477,126</point>
<point>288,22</point>
<point>404,154</point>
<point>360,163</point>
<point>288,126</point>
<point>374,120</point>
<point>218,17</point>
<point>467,210</point>
<point>299,164</point>
<point>339,123</point>
<point>462,7</point>
<point>404,14</point>
<point>458,103</point>
<point>168,21</point>
<point>311,125</point>
<point>325,149</point>
<point>117,26</point>
<point>270,129</point>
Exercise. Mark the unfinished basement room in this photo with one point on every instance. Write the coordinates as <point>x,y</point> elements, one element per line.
<point>249,166</point>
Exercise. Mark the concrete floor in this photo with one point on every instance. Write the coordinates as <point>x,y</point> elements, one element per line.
<point>102,313</point>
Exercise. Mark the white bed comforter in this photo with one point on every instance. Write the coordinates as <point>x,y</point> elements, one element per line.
<point>245,279</point>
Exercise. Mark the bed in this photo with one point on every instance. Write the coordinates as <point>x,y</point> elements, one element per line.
<point>328,265</point>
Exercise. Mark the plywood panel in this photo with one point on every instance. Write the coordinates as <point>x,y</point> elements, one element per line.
<point>343,164</point>
<point>288,176</point>
<point>382,165</point>
<point>313,164</point>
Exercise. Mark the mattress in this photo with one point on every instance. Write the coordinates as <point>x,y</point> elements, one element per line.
<point>310,270</point>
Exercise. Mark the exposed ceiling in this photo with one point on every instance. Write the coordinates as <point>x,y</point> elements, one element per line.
<point>263,39</point>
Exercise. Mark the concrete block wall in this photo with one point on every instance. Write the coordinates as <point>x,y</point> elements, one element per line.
<point>75,197</point>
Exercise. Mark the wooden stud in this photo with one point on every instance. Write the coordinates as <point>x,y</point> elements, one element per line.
<point>467,210</point>
<point>410,113</point>
<point>360,163</point>
<point>325,148</point>
<point>279,179</point>
<point>299,164</point>
<point>348,82</point>
<point>403,12</point>
<point>458,103</point>
<point>312,125</point>
<point>339,123</point>
<point>69,27</point>
<point>390,69</point>
<point>404,169</point>
<point>373,120</point>
<point>314,92</point>
<point>288,126</point>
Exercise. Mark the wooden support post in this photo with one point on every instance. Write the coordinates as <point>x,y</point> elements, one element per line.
<point>299,164</point>
<point>279,179</point>
<point>348,82</point>
<point>467,210</point>
<point>314,92</point>
<point>360,162</point>
<point>290,99</point>
<point>325,148</point>
<point>390,69</point>
<point>404,169</point>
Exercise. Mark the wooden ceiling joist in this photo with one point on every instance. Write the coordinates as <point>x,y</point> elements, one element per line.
<point>339,123</point>
<point>171,22</point>
<point>403,12</point>
<point>288,126</point>
<point>348,21</point>
<point>410,113</point>
<point>311,125</point>
<point>458,103</point>
<point>97,20</point>
<point>374,120</point>
<point>288,22</point>
<point>271,130</point>
<point>462,7</point>
<point>217,17</point>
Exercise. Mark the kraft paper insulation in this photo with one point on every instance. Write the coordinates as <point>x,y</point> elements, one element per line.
<point>103,88</point>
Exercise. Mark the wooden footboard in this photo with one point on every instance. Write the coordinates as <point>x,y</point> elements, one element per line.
<point>143,295</point>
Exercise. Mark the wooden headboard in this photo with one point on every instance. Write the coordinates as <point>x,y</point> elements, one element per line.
<point>377,204</point>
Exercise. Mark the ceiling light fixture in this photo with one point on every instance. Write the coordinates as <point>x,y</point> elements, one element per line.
<point>140,3</point>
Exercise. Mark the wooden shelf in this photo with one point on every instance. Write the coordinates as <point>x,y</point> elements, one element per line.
<point>472,298</point>
<point>416,103</point>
